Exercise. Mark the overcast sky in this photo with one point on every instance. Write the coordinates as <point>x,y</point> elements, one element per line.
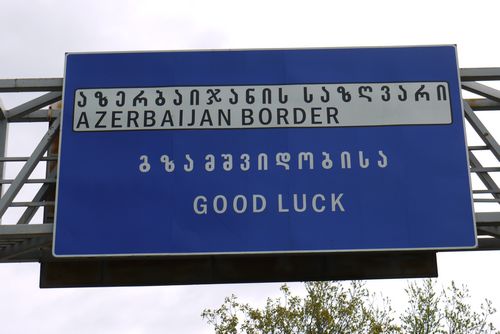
<point>35,35</point>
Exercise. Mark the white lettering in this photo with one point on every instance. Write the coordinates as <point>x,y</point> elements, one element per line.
<point>280,204</point>
<point>219,199</point>
<point>200,205</point>
<point>336,202</point>
<point>240,203</point>
<point>296,203</point>
<point>243,201</point>
<point>256,208</point>
<point>315,203</point>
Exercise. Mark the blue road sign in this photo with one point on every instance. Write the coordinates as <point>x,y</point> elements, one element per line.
<point>263,151</point>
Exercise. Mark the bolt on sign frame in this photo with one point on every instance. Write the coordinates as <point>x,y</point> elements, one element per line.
<point>25,240</point>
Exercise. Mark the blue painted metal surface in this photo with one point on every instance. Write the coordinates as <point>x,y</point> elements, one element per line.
<point>414,193</point>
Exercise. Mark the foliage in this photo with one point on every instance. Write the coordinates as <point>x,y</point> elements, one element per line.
<point>326,308</point>
<point>449,311</point>
<point>423,315</point>
<point>333,307</point>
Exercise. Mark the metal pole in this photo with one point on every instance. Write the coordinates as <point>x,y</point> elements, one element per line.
<point>3,145</point>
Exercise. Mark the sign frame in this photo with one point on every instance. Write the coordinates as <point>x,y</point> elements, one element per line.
<point>389,249</point>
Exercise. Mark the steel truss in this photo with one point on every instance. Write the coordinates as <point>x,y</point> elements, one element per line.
<point>25,241</point>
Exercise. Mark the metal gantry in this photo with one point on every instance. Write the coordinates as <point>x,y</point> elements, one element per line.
<point>26,240</point>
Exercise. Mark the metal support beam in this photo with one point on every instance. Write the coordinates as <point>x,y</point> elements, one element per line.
<point>493,231</point>
<point>21,243</point>
<point>488,218</point>
<point>488,244</point>
<point>485,169</point>
<point>483,104</point>
<point>481,130</point>
<point>483,176</point>
<point>480,74</point>
<point>482,90</point>
<point>33,105</point>
<point>32,204</point>
<point>24,247</point>
<point>42,115</point>
<point>28,167</point>
<point>31,210</point>
<point>488,223</point>
<point>31,181</point>
<point>26,231</point>
<point>31,85</point>
<point>3,145</point>
<point>478,148</point>
<point>493,191</point>
<point>21,159</point>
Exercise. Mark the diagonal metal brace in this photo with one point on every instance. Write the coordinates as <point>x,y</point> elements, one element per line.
<point>40,195</point>
<point>493,231</point>
<point>482,90</point>
<point>33,105</point>
<point>483,176</point>
<point>481,130</point>
<point>28,167</point>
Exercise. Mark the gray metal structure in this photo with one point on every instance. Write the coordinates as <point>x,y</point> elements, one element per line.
<point>26,240</point>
